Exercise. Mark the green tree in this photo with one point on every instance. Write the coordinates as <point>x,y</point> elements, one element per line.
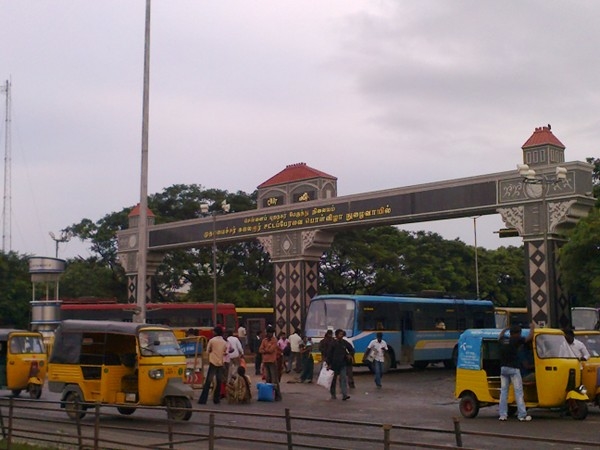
<point>92,278</point>
<point>578,258</point>
<point>16,287</point>
<point>243,271</point>
<point>580,261</point>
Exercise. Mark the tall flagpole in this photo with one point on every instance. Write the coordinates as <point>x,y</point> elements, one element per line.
<point>143,221</point>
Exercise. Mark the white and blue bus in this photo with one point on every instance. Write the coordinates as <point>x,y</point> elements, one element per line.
<point>418,331</point>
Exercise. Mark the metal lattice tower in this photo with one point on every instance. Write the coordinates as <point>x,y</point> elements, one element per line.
<point>7,199</point>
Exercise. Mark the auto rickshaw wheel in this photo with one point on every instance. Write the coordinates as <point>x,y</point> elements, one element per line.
<point>184,405</point>
<point>126,410</point>
<point>35,391</point>
<point>578,409</point>
<point>16,392</point>
<point>469,406</point>
<point>73,406</point>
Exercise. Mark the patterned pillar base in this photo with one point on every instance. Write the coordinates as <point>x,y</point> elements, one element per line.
<point>295,285</point>
<point>549,304</point>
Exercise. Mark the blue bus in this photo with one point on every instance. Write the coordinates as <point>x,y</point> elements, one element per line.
<point>418,331</point>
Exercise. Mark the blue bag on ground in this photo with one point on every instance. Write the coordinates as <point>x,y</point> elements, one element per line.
<point>266,392</point>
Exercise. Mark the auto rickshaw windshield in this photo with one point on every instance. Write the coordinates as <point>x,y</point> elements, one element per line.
<point>26,344</point>
<point>553,346</point>
<point>159,342</point>
<point>591,342</point>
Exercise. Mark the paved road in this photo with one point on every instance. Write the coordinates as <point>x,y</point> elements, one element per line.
<point>408,398</point>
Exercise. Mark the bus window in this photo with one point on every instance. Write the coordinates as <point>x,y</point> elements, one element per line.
<point>379,316</point>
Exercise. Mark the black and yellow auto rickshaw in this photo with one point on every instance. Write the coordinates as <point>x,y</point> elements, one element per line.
<point>591,367</point>
<point>22,362</point>
<point>118,363</point>
<point>557,382</point>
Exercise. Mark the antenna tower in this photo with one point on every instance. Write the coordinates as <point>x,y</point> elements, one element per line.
<point>7,200</point>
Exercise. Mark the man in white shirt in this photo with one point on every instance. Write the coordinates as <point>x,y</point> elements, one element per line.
<point>376,350</point>
<point>236,352</point>
<point>577,346</point>
<point>295,341</point>
<point>242,335</point>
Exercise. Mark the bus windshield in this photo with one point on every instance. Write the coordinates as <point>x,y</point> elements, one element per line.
<point>584,318</point>
<point>324,314</point>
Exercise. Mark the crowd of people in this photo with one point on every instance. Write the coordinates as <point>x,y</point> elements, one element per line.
<point>275,355</point>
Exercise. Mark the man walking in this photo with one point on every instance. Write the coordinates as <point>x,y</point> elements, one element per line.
<point>338,358</point>
<point>376,351</point>
<point>216,348</point>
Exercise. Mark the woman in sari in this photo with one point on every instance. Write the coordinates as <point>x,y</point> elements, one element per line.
<point>238,387</point>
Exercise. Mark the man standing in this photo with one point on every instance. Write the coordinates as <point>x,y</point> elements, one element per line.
<point>236,352</point>
<point>295,342</point>
<point>376,349</point>
<point>270,351</point>
<point>257,340</point>
<point>337,360</point>
<point>216,348</point>
<point>510,371</point>
<point>577,346</point>
<point>241,332</point>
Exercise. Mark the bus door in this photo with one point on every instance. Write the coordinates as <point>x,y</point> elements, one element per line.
<point>406,329</point>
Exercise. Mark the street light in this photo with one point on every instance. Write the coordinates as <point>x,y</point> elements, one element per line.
<point>65,236</point>
<point>225,207</point>
<point>476,262</point>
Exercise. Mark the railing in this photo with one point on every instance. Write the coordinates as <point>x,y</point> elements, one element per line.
<point>42,422</point>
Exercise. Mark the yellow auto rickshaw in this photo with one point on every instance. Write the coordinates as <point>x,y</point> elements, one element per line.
<point>557,380</point>
<point>22,362</point>
<point>591,367</point>
<point>118,363</point>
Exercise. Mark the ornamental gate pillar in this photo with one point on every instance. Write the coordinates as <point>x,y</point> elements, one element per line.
<point>548,206</point>
<point>296,258</point>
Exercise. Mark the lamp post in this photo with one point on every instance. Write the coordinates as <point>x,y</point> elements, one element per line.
<point>476,262</point>
<point>225,207</point>
<point>65,236</point>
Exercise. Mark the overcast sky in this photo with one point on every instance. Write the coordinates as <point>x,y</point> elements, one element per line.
<point>380,94</point>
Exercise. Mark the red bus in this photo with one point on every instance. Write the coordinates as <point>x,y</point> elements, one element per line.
<point>179,316</point>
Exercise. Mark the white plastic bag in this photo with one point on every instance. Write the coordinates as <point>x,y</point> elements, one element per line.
<point>325,377</point>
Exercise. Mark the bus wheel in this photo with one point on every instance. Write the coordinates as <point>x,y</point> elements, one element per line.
<point>387,361</point>
<point>451,363</point>
<point>468,406</point>
<point>183,405</point>
<point>73,406</point>
<point>420,365</point>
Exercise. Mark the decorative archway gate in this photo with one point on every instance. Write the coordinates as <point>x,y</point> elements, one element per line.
<point>298,214</point>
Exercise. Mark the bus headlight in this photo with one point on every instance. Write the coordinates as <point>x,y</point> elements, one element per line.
<point>156,374</point>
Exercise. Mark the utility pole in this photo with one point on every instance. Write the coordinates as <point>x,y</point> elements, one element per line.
<point>143,223</point>
<point>7,199</point>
